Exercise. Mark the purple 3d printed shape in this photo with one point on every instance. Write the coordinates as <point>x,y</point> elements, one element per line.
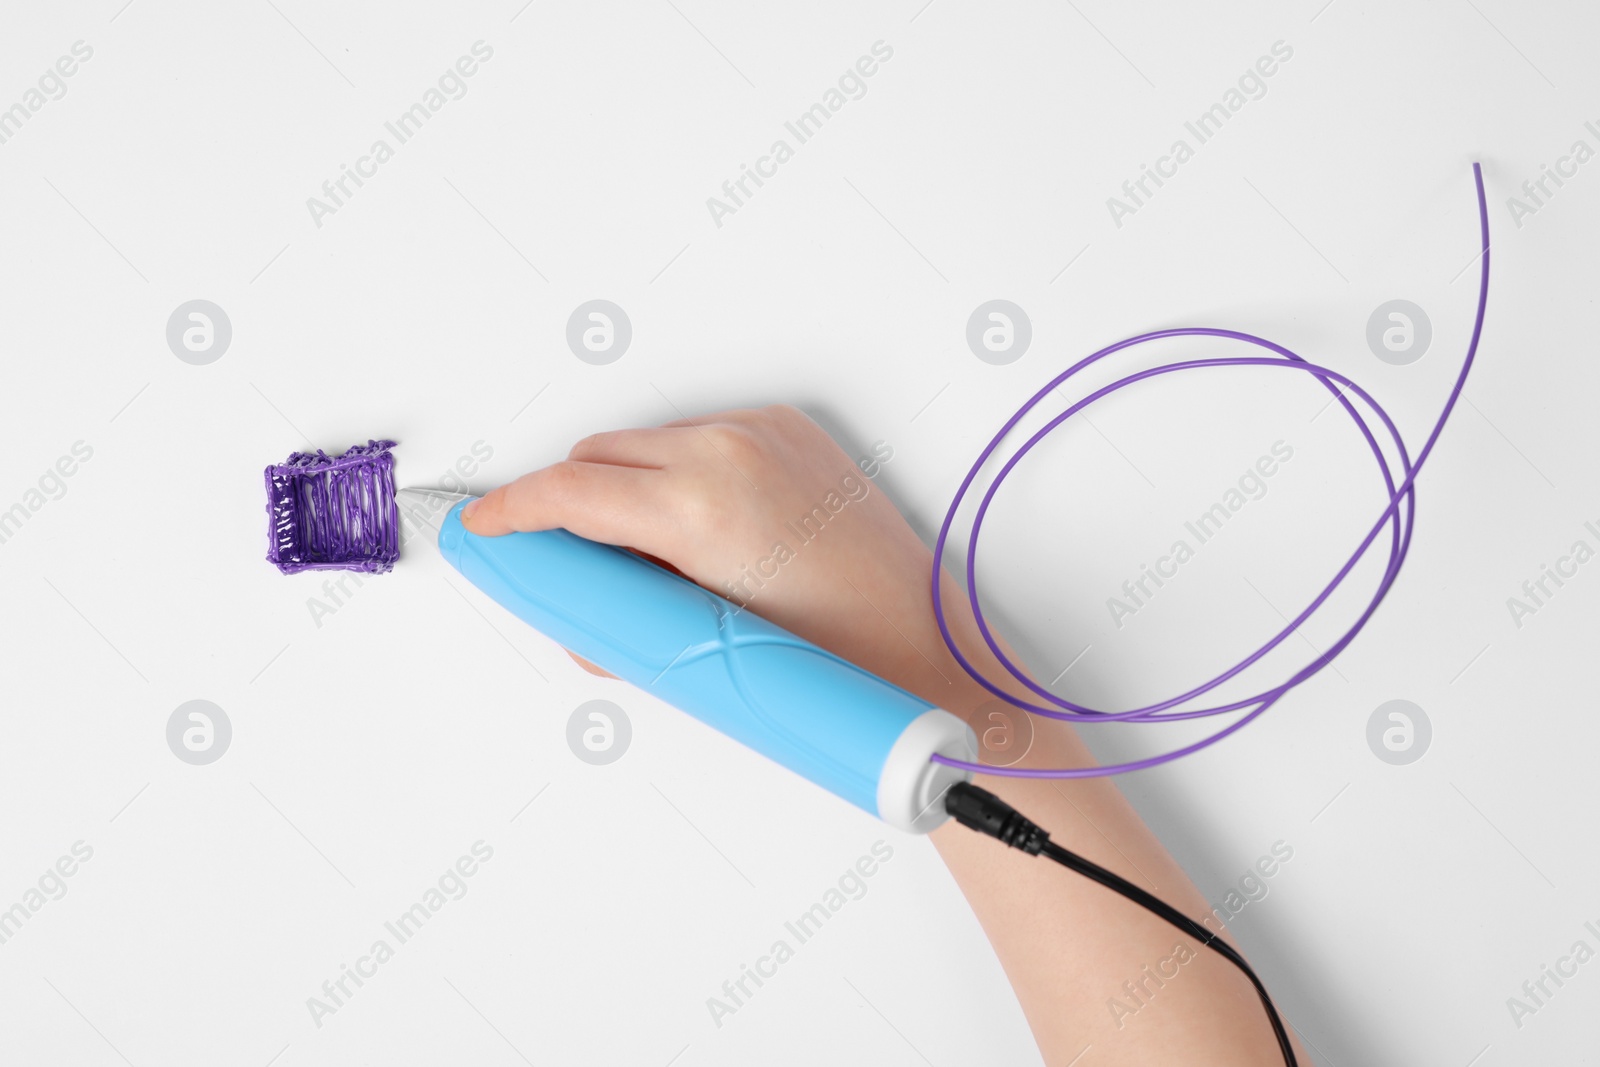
<point>328,513</point>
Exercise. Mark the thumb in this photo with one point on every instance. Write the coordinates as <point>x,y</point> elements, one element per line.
<point>599,672</point>
<point>599,501</point>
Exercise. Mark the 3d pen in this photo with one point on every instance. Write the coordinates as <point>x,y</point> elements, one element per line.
<point>826,719</point>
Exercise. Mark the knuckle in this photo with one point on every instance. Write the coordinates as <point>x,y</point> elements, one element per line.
<point>788,423</point>
<point>562,479</point>
<point>741,445</point>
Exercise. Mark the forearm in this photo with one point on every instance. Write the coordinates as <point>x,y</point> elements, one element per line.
<point>1090,967</point>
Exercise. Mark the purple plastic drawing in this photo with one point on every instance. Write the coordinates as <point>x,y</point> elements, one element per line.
<point>334,513</point>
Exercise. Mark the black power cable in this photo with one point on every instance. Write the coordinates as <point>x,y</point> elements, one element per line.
<point>980,810</point>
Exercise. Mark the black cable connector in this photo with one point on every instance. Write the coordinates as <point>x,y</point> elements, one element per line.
<point>980,810</point>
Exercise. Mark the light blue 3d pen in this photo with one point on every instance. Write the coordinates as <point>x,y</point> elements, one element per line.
<point>844,728</point>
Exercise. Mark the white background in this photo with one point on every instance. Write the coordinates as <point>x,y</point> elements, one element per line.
<point>372,750</point>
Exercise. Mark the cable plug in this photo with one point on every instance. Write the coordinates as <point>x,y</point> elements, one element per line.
<point>980,810</point>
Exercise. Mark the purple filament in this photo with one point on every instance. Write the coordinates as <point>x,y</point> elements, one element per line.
<point>328,513</point>
<point>1400,523</point>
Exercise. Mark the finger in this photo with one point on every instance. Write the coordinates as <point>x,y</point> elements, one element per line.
<point>635,448</point>
<point>598,672</point>
<point>733,416</point>
<point>743,416</point>
<point>657,560</point>
<point>599,501</point>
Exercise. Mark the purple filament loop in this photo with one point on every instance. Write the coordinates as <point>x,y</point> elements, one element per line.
<point>1398,516</point>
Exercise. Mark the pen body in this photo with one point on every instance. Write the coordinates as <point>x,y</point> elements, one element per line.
<point>844,728</point>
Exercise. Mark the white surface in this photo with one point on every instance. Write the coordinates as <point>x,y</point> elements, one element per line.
<point>372,750</point>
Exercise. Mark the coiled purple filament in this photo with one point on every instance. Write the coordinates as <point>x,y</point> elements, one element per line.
<point>328,513</point>
<point>1399,540</point>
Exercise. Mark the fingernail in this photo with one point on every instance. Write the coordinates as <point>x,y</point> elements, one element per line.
<point>472,505</point>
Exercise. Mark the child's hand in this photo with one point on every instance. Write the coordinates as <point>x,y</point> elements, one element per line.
<point>726,500</point>
<point>764,508</point>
